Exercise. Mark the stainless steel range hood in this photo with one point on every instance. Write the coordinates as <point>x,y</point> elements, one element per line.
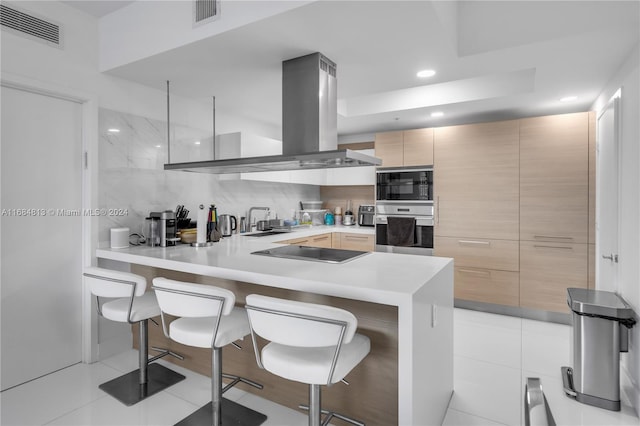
<point>309,126</point>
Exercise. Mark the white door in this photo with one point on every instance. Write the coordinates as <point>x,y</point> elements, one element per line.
<point>607,194</point>
<point>41,246</point>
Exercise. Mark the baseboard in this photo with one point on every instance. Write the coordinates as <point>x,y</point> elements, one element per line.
<point>514,311</point>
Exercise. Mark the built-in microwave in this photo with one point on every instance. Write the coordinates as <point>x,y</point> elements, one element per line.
<point>406,184</point>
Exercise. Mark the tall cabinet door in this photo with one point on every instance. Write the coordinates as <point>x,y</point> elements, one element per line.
<point>554,209</point>
<point>41,245</point>
<point>554,168</point>
<point>418,147</point>
<point>389,147</point>
<point>476,180</point>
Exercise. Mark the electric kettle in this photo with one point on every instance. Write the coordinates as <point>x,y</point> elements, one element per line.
<point>227,224</point>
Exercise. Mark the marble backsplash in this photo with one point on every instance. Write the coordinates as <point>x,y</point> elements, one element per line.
<point>132,179</point>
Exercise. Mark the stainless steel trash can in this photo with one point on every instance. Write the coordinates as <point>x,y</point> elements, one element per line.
<point>601,322</point>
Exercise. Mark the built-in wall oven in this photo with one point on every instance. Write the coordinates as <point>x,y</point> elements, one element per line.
<point>404,210</point>
<point>404,227</point>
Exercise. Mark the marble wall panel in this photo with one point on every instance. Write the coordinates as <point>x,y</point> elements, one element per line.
<point>132,178</point>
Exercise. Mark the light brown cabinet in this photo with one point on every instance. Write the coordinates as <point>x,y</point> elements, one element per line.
<point>514,203</point>
<point>480,253</point>
<point>352,241</point>
<point>344,240</point>
<point>546,271</point>
<point>405,148</point>
<point>476,202</point>
<point>554,209</point>
<point>554,185</point>
<point>321,240</point>
<point>487,286</point>
<point>476,180</point>
<point>485,270</point>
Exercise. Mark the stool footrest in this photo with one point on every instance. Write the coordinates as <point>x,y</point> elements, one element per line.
<point>237,379</point>
<point>163,353</point>
<point>330,414</point>
<point>232,414</point>
<point>128,389</point>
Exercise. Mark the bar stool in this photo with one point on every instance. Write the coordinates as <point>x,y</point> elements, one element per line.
<point>207,318</point>
<point>308,343</point>
<point>132,304</point>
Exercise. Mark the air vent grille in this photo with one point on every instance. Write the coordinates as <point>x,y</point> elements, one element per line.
<point>205,10</point>
<point>29,25</point>
<point>327,66</point>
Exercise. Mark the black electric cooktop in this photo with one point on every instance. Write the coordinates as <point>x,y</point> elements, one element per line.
<point>317,254</point>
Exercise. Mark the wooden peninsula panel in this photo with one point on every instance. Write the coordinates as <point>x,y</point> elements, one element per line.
<point>372,395</point>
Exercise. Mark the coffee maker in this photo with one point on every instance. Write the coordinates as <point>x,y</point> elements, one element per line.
<point>168,227</point>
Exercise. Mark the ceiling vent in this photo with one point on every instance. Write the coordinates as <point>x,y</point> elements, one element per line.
<point>22,23</point>
<point>205,11</point>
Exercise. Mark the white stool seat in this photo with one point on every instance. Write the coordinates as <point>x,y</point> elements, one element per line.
<point>206,317</point>
<point>129,302</point>
<point>144,307</point>
<point>311,365</point>
<point>307,343</point>
<point>198,332</point>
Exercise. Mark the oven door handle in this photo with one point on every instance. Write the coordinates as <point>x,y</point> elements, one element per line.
<point>420,221</point>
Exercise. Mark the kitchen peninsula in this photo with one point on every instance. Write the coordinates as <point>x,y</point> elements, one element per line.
<point>404,303</point>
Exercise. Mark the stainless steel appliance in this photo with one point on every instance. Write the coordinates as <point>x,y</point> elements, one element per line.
<point>168,227</point>
<point>316,254</point>
<point>309,125</point>
<point>367,215</point>
<point>227,224</point>
<point>406,184</point>
<point>418,239</point>
<point>601,322</point>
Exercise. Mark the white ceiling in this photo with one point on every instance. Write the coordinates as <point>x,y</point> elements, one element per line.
<point>494,60</point>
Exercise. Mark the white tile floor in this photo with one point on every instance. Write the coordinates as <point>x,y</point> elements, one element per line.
<point>494,355</point>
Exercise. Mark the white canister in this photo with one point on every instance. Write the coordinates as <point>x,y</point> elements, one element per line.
<point>119,238</point>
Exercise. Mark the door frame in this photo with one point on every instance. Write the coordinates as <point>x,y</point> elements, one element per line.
<point>613,103</point>
<point>89,137</point>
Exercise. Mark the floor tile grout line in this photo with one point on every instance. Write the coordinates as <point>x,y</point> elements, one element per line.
<point>489,362</point>
<point>478,416</point>
<point>93,401</point>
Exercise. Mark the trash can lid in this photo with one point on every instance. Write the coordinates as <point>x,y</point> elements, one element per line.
<point>599,303</point>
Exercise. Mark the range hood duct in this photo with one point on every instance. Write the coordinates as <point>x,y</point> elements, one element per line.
<point>309,126</point>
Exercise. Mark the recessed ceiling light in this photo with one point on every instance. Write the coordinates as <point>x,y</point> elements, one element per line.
<point>568,99</point>
<point>113,130</point>
<point>437,114</point>
<point>426,73</point>
<point>197,142</point>
<point>158,146</point>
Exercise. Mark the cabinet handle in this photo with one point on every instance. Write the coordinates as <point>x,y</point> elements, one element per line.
<point>476,272</point>
<point>553,247</point>
<point>321,238</point>
<point>438,210</point>
<point>551,237</point>
<point>484,243</point>
<point>356,237</point>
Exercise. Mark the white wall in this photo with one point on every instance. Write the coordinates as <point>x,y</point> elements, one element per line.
<point>76,66</point>
<point>628,79</point>
<point>74,69</point>
<point>143,29</point>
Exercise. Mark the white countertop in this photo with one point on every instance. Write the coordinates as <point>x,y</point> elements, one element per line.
<point>385,278</point>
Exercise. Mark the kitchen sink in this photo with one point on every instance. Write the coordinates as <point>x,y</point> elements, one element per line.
<point>265,233</point>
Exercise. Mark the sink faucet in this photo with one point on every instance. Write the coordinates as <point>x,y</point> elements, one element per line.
<point>249,218</point>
